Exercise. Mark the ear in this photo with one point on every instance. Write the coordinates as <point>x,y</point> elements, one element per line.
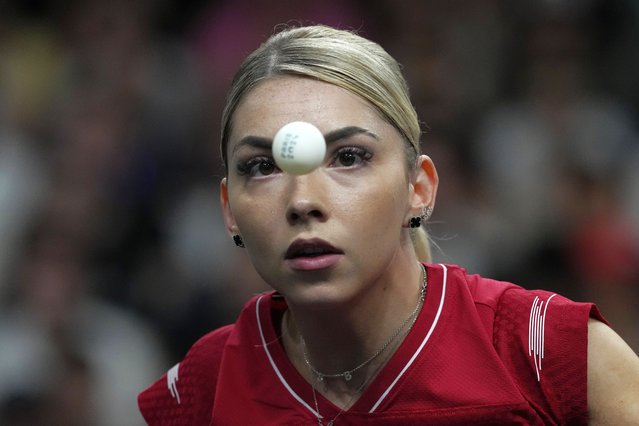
<point>229,219</point>
<point>423,186</point>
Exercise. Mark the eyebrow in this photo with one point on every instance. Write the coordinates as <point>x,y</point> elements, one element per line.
<point>347,132</point>
<point>332,136</point>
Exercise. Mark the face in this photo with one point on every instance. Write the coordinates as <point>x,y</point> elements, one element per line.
<point>317,238</point>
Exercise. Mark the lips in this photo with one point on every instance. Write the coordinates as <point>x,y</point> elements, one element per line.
<point>312,254</point>
<point>310,248</point>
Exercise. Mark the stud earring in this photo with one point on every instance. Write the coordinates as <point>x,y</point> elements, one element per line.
<point>238,241</point>
<point>416,221</point>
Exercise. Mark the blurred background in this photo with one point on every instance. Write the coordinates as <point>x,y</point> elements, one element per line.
<point>113,255</point>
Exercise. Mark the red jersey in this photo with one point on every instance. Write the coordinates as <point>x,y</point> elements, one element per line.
<point>480,352</point>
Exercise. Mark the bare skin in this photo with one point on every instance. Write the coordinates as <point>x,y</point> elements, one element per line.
<point>613,378</point>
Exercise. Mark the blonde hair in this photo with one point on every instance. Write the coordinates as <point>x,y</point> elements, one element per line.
<point>344,59</point>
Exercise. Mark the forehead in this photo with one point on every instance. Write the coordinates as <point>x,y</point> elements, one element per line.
<point>280,100</point>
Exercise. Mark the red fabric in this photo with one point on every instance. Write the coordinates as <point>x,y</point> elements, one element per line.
<point>466,361</point>
<point>196,384</point>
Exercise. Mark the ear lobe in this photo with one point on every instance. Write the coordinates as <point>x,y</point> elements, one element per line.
<point>229,219</point>
<point>424,184</point>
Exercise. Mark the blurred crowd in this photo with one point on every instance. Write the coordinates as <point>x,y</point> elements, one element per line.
<point>113,255</point>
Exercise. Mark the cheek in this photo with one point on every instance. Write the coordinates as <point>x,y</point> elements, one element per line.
<point>375,226</point>
<point>375,206</point>
<point>253,215</point>
<point>258,215</point>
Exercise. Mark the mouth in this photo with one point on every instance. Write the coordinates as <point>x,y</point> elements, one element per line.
<point>310,248</point>
<point>312,254</point>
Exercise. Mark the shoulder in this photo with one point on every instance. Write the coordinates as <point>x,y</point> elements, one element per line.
<point>485,293</point>
<point>483,290</point>
<point>542,338</point>
<point>506,300</point>
<point>185,393</point>
<point>205,355</point>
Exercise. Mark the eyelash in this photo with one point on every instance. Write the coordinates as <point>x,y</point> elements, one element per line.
<point>362,155</point>
<point>251,166</point>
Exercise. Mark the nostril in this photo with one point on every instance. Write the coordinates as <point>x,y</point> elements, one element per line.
<point>293,216</point>
<point>304,214</point>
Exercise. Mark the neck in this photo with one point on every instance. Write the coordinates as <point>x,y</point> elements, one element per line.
<point>340,339</point>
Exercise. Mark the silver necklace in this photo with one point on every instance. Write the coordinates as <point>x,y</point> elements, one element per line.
<point>348,374</point>
<point>332,422</point>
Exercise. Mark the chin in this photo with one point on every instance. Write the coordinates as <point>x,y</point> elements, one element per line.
<point>318,296</point>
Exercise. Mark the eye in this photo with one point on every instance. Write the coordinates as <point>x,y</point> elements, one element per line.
<point>257,166</point>
<point>350,156</point>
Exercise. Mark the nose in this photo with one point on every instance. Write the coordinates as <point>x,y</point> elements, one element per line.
<point>306,199</point>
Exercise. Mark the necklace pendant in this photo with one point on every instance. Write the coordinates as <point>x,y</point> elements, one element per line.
<point>320,377</point>
<point>348,376</point>
<point>330,423</point>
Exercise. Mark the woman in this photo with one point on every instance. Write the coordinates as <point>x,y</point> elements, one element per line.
<point>358,330</point>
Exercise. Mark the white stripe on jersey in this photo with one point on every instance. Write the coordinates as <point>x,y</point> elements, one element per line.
<point>421,346</point>
<point>537,332</point>
<point>277,371</point>
<point>171,381</point>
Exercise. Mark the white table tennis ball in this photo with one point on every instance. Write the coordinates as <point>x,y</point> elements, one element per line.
<point>298,148</point>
